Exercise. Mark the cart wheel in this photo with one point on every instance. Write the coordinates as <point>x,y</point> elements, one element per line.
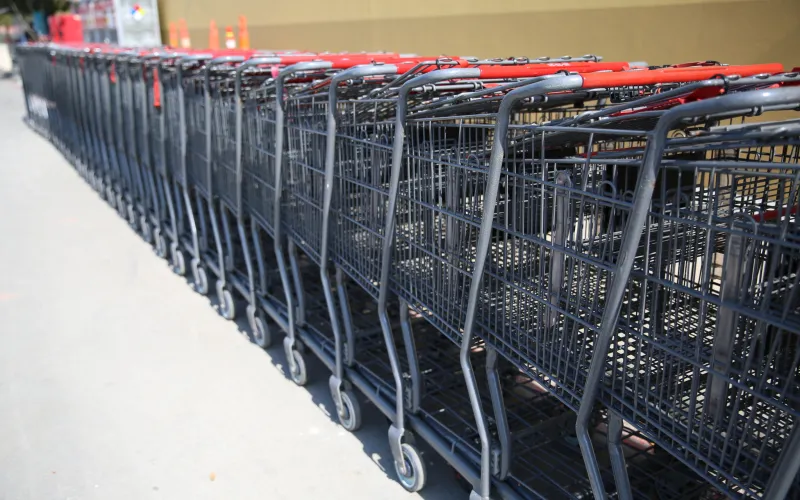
<point>414,479</point>
<point>200,280</point>
<point>351,412</point>
<point>178,262</point>
<point>298,373</point>
<point>262,337</point>
<point>131,216</point>
<point>161,243</point>
<point>227,307</point>
<point>147,233</point>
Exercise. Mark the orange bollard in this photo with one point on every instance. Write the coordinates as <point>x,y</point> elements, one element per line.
<point>213,35</point>
<point>184,34</point>
<point>173,35</point>
<point>244,35</point>
<point>230,40</point>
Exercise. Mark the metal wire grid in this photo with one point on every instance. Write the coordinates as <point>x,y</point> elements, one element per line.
<point>306,130</point>
<point>304,183</point>
<point>440,205</point>
<point>118,116</point>
<point>172,139</point>
<point>130,113</point>
<point>34,69</point>
<point>223,138</point>
<point>364,134</point>
<point>108,124</point>
<point>547,462</point>
<point>95,123</point>
<point>197,170</point>
<point>706,358</point>
<point>258,153</point>
<point>143,104</point>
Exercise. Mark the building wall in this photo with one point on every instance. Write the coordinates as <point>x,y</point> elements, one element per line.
<point>655,31</point>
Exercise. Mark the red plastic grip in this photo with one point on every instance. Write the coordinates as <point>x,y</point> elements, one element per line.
<point>674,75</point>
<point>534,70</point>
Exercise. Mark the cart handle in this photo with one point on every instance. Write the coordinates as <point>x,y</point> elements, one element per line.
<point>530,71</point>
<point>195,57</point>
<point>362,71</point>
<point>674,75</point>
<point>218,61</point>
<point>257,61</point>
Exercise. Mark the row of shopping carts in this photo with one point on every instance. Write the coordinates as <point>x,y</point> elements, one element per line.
<point>571,278</point>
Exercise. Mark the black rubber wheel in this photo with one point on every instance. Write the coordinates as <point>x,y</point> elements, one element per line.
<point>350,418</point>
<point>200,280</point>
<point>227,306</point>
<point>262,336</point>
<point>178,262</point>
<point>298,373</point>
<point>414,478</point>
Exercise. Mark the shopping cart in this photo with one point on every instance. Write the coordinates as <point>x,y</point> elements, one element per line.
<point>516,300</point>
<point>365,148</point>
<point>36,69</point>
<point>703,292</point>
<point>182,230</point>
<point>438,188</point>
<point>128,122</point>
<point>585,268</point>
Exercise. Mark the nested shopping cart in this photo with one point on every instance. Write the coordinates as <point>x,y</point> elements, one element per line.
<point>704,295</point>
<point>585,267</point>
<point>304,185</point>
<point>182,230</point>
<point>438,189</point>
<point>127,124</point>
<point>145,120</point>
<point>210,120</point>
<point>33,70</point>
<point>538,287</point>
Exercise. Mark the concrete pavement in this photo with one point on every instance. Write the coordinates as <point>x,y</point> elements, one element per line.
<point>118,382</point>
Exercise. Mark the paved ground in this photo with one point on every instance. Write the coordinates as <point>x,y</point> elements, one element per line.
<point>117,382</point>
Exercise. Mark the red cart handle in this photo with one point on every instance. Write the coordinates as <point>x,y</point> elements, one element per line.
<point>534,70</point>
<point>674,75</point>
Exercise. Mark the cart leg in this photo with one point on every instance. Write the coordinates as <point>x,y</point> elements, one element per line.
<point>349,347</point>
<point>414,389</point>
<point>784,475</point>
<point>255,231</point>
<point>499,410</point>
<point>298,284</point>
<point>297,366</point>
<point>623,484</point>
<point>200,284</point>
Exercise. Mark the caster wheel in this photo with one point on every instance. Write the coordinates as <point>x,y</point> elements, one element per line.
<point>178,262</point>
<point>161,243</point>
<point>131,216</point>
<point>227,307</point>
<point>262,337</point>
<point>350,418</point>
<point>299,373</point>
<point>414,478</point>
<point>147,233</point>
<point>200,280</point>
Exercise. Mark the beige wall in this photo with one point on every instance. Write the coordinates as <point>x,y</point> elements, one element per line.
<point>656,31</point>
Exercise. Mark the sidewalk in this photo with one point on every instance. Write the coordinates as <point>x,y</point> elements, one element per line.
<point>118,382</point>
